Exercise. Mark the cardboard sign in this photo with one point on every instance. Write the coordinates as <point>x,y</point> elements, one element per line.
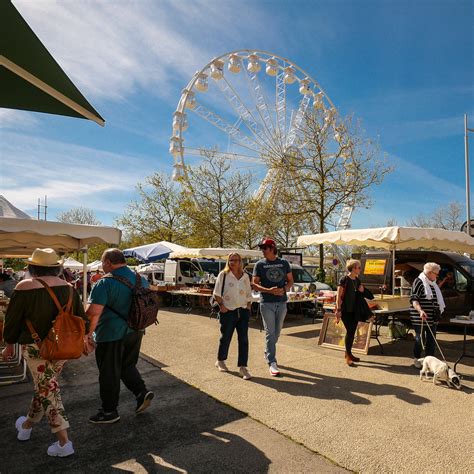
<point>375,267</point>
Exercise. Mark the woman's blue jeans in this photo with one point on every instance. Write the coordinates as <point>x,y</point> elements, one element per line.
<point>235,319</point>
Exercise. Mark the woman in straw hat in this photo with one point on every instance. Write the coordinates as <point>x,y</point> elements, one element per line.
<point>31,301</point>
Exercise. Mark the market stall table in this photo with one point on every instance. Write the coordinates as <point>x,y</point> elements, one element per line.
<point>465,323</point>
<point>187,298</point>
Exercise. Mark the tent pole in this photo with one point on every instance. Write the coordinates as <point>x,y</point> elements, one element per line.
<point>393,271</point>
<point>84,276</point>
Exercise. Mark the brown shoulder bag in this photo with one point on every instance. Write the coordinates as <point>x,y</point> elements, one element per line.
<point>65,339</point>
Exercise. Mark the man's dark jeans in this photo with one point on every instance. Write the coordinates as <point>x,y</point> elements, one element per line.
<point>236,319</point>
<point>117,361</point>
<point>428,340</point>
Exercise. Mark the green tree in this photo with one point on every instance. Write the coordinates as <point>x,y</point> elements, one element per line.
<point>157,214</point>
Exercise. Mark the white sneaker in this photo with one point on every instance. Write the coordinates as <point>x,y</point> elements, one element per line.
<point>245,373</point>
<point>23,434</point>
<point>417,363</point>
<point>274,369</point>
<point>61,451</point>
<point>220,364</point>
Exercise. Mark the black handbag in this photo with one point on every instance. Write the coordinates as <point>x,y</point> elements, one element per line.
<point>362,311</point>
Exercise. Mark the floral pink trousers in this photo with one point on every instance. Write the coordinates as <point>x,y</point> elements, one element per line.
<point>47,398</point>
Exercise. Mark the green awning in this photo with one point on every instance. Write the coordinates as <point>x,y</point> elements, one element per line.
<point>30,78</point>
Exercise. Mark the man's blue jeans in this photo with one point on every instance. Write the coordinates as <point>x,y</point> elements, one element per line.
<point>273,315</point>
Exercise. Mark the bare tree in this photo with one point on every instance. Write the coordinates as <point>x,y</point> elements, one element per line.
<point>157,215</point>
<point>329,166</point>
<point>78,215</point>
<point>217,201</point>
<point>448,217</point>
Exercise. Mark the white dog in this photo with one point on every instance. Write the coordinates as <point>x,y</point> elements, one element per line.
<point>440,371</point>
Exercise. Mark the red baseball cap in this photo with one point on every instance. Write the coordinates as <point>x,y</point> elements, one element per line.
<point>267,243</point>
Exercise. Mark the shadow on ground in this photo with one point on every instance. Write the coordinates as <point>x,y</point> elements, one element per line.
<point>178,433</point>
<point>302,383</point>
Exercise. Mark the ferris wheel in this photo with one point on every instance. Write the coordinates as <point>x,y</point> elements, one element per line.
<point>248,105</point>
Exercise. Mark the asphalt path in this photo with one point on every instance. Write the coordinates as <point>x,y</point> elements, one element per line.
<point>375,417</point>
<point>184,430</point>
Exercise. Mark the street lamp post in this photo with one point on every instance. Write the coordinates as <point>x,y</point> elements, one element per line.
<point>468,190</point>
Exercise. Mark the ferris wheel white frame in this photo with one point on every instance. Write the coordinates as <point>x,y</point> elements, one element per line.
<point>269,132</point>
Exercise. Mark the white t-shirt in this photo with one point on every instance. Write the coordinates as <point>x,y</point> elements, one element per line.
<point>237,293</point>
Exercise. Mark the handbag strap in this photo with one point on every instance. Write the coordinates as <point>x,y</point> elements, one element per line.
<point>223,284</point>
<point>67,306</point>
<point>33,332</point>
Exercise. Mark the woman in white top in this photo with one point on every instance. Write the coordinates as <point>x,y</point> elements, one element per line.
<point>234,295</point>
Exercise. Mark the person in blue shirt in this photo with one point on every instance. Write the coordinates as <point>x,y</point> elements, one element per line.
<point>272,277</point>
<point>117,347</point>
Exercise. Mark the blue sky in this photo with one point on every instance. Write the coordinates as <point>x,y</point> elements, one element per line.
<point>405,68</point>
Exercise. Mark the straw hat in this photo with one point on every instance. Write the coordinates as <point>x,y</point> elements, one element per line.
<point>45,258</point>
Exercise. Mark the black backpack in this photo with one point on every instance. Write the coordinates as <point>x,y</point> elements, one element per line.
<point>145,303</point>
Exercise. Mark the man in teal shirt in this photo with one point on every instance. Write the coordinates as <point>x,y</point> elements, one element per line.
<point>117,345</point>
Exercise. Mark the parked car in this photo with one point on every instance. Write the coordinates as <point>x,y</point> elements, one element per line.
<point>303,279</point>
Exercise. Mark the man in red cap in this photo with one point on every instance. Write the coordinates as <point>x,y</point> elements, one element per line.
<point>272,277</point>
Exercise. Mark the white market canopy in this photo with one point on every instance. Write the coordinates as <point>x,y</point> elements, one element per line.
<point>94,266</point>
<point>72,264</point>
<point>7,209</point>
<point>215,253</point>
<point>400,238</point>
<point>19,237</point>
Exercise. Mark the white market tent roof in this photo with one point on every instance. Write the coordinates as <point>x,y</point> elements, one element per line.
<point>215,253</point>
<point>401,238</point>
<point>19,237</point>
<point>72,264</point>
<point>94,266</point>
<point>7,209</point>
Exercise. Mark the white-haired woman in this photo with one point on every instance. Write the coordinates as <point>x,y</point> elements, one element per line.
<point>234,295</point>
<point>427,306</point>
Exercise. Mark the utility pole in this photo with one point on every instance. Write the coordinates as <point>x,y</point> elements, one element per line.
<point>44,206</point>
<point>468,186</point>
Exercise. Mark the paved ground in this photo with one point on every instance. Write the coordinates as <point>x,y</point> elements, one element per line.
<point>375,417</point>
<point>183,431</point>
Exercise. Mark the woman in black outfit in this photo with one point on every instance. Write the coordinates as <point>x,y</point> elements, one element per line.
<point>345,305</point>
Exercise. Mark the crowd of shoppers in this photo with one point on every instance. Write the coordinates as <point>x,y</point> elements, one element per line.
<point>117,346</point>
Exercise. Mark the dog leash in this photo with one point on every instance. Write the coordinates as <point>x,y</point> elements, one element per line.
<point>434,337</point>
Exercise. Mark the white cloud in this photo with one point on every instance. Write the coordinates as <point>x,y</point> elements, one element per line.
<point>69,174</point>
<point>16,119</point>
<point>110,49</point>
